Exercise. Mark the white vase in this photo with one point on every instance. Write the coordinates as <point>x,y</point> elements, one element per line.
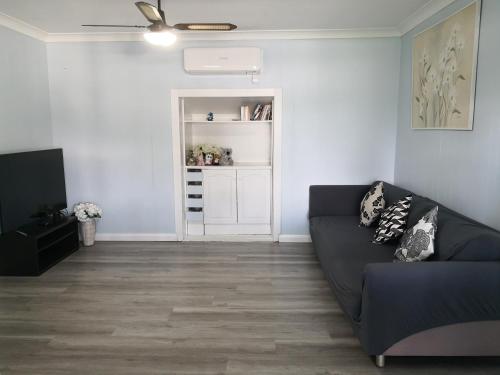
<point>87,229</point>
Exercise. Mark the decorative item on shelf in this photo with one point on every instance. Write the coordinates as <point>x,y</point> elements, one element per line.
<point>210,116</point>
<point>245,113</point>
<point>209,158</point>
<point>216,159</point>
<point>226,156</point>
<point>190,159</point>
<point>87,213</point>
<point>200,162</point>
<point>201,152</point>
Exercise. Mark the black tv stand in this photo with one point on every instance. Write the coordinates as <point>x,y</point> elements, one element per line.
<point>33,249</point>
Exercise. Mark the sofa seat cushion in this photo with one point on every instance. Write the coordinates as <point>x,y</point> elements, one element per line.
<point>344,248</point>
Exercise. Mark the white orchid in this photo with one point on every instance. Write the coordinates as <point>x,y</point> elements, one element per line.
<point>86,211</point>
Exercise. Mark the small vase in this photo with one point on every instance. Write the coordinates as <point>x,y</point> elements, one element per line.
<point>87,229</point>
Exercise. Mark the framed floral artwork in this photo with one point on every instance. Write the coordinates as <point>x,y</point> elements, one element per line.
<point>444,61</point>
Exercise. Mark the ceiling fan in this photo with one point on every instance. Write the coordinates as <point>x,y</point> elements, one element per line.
<point>159,32</point>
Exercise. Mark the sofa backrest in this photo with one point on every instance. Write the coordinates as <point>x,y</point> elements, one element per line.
<point>458,237</point>
<point>394,193</point>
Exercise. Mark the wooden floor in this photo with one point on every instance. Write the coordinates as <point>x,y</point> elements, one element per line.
<point>192,308</point>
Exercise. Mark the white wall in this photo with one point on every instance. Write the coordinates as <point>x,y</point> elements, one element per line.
<point>24,93</point>
<point>460,169</point>
<point>111,113</point>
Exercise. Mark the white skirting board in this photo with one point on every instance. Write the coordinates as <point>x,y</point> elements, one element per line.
<point>152,237</point>
<point>231,238</point>
<point>149,237</point>
<point>294,238</point>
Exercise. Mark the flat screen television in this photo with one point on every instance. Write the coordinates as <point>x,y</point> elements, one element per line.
<point>32,188</point>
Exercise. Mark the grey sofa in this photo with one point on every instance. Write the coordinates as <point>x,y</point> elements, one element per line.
<point>446,306</point>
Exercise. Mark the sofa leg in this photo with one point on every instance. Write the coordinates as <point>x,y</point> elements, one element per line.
<point>380,361</point>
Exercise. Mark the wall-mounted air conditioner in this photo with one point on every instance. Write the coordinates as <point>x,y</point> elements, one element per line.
<point>245,60</point>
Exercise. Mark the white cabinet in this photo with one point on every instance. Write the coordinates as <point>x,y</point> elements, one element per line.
<point>254,196</point>
<point>219,196</point>
<point>237,201</point>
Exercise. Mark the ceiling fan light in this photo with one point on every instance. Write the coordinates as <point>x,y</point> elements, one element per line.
<point>220,27</point>
<point>160,38</point>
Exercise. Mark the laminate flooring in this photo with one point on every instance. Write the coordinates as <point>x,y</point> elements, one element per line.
<point>189,308</point>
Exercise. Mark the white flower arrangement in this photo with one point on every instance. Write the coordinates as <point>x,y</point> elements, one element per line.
<point>206,149</point>
<point>86,211</point>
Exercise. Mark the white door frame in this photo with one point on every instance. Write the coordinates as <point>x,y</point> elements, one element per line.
<point>178,163</point>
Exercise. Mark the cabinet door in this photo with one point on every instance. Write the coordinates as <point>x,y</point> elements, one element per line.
<point>254,196</point>
<point>219,196</point>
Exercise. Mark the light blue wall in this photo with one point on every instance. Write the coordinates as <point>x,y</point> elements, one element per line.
<point>24,93</point>
<point>110,107</point>
<point>461,169</point>
<point>111,114</point>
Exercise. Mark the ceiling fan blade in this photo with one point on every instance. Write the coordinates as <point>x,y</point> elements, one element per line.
<point>135,26</point>
<point>152,13</point>
<point>205,26</point>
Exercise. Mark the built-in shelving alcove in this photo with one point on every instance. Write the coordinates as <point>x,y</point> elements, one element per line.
<point>215,198</point>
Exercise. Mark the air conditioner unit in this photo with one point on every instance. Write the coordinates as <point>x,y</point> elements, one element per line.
<point>223,60</point>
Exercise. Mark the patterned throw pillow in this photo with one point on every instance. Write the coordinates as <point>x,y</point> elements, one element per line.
<point>393,221</point>
<point>417,243</point>
<point>372,204</point>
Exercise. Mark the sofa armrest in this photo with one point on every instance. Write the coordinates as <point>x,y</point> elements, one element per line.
<point>335,200</point>
<point>401,299</point>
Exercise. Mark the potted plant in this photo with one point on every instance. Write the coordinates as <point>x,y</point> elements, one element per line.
<point>87,213</point>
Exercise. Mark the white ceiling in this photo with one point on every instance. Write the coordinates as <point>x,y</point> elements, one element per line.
<point>66,16</point>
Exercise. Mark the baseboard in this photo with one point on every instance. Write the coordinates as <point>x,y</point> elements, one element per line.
<point>294,238</point>
<point>173,237</point>
<point>230,238</point>
<point>136,237</point>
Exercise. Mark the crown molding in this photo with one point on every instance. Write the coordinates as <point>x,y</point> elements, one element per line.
<point>426,11</point>
<point>94,37</point>
<point>233,35</point>
<point>22,27</point>
<point>34,32</point>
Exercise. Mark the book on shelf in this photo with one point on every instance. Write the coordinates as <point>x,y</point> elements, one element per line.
<point>257,112</point>
<point>266,114</point>
<point>262,112</point>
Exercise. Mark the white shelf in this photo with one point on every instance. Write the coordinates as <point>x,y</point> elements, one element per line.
<point>259,165</point>
<point>227,122</point>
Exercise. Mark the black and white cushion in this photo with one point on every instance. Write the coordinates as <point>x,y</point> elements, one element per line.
<point>417,243</point>
<point>392,222</point>
<point>372,204</point>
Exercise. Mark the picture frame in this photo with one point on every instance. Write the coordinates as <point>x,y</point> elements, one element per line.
<point>444,67</point>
